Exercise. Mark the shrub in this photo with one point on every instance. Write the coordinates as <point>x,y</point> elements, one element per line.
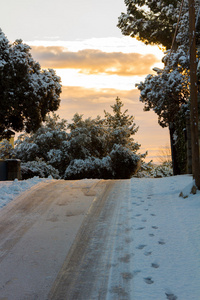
<point>164,170</point>
<point>124,162</point>
<point>89,168</point>
<point>120,164</point>
<point>155,171</point>
<point>38,168</point>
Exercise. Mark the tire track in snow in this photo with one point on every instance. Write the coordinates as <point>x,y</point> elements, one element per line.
<point>98,265</point>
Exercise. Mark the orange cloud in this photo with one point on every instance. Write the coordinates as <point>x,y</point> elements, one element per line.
<point>89,61</point>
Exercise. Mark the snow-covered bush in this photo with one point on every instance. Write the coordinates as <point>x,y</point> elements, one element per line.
<point>38,168</point>
<point>124,162</point>
<point>155,171</point>
<point>90,148</point>
<point>37,145</point>
<point>27,151</point>
<point>164,170</point>
<point>121,163</point>
<point>89,168</point>
<point>146,169</point>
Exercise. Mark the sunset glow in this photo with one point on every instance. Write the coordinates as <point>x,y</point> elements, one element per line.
<point>95,65</point>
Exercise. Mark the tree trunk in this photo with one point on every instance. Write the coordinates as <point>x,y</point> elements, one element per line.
<point>176,169</point>
<point>193,95</point>
<point>189,145</point>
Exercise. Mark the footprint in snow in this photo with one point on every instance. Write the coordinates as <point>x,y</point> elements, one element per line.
<point>140,247</point>
<point>140,228</point>
<point>155,265</point>
<point>153,215</point>
<point>138,215</point>
<point>161,242</point>
<point>171,296</point>
<point>154,227</point>
<point>148,280</point>
<point>151,235</point>
<point>147,253</point>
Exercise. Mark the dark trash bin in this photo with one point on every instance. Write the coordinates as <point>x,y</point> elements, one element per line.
<point>13,169</point>
<point>3,170</point>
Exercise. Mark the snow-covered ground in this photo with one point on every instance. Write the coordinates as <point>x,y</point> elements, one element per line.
<point>162,245</point>
<point>9,190</point>
<point>166,235</point>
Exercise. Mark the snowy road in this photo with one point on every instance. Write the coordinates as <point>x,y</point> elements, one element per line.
<point>99,254</point>
<point>139,241</point>
<point>37,230</point>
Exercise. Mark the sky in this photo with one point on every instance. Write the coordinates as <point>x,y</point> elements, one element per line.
<point>96,63</point>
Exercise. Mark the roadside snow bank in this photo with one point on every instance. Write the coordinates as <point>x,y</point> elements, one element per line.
<point>11,189</point>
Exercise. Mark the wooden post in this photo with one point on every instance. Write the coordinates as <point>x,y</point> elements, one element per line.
<point>193,95</point>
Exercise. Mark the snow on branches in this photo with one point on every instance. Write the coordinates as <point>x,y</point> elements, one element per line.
<point>27,93</point>
<point>90,148</point>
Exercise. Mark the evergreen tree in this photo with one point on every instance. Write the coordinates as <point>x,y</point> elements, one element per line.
<point>27,93</point>
<point>150,21</point>
<point>167,92</point>
<point>46,144</point>
<point>121,127</point>
<point>90,148</point>
<point>87,137</point>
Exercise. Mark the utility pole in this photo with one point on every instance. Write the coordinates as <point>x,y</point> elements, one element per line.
<point>193,95</point>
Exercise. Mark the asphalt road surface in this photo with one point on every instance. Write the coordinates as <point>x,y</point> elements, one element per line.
<point>37,231</point>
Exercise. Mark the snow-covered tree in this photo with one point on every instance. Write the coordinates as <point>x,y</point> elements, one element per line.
<point>121,127</point>
<point>167,91</point>
<point>150,21</point>
<point>87,137</point>
<point>103,148</point>
<point>90,148</point>
<point>47,143</point>
<point>27,93</point>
